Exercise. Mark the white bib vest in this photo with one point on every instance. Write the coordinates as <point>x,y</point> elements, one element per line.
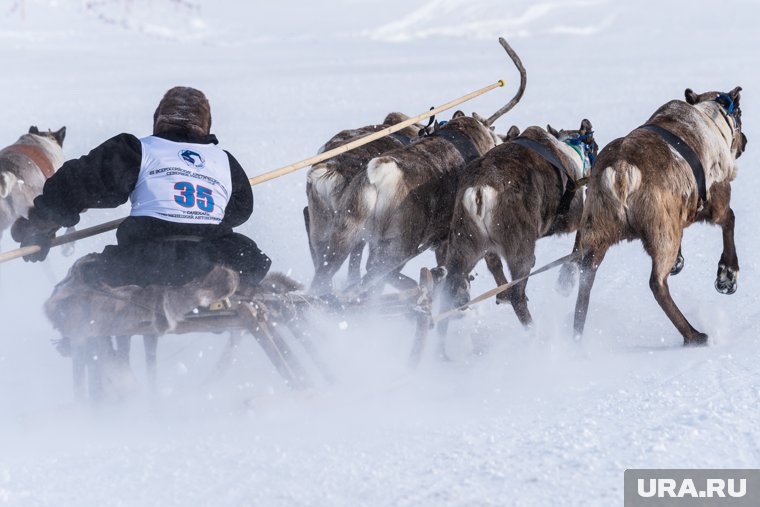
<point>182,182</point>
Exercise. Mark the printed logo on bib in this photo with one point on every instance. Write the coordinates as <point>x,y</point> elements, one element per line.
<point>192,158</point>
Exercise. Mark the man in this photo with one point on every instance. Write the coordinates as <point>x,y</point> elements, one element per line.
<point>186,194</point>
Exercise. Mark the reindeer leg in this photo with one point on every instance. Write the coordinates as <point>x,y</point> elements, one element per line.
<point>728,267</point>
<point>424,317</point>
<point>384,265</point>
<point>588,266</point>
<point>330,256</point>
<point>121,352</point>
<point>307,223</point>
<point>520,263</point>
<point>663,255</point>
<point>99,357</point>
<point>678,266</point>
<point>495,266</point>
<point>354,263</point>
<point>79,360</point>
<point>150,344</point>
<point>569,271</point>
<point>455,291</point>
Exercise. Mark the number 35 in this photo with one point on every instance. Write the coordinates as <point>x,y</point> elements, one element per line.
<point>190,195</point>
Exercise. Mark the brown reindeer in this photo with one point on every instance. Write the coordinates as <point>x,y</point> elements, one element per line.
<point>333,234</point>
<point>520,191</point>
<point>24,167</point>
<point>408,193</point>
<point>651,184</point>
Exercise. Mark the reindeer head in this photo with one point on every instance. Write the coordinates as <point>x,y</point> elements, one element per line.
<point>457,289</point>
<point>58,136</point>
<point>582,140</point>
<point>729,102</point>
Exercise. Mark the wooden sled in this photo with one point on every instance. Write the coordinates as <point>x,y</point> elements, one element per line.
<point>97,323</point>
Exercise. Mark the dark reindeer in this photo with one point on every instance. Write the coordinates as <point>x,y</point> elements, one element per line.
<point>651,184</point>
<point>408,193</point>
<point>333,233</point>
<point>520,191</point>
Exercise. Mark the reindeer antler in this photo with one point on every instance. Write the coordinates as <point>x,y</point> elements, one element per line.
<point>523,80</point>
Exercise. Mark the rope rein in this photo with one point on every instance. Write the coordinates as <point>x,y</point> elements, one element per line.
<point>501,288</point>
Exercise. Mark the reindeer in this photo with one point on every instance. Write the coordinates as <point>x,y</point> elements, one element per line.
<point>407,195</point>
<point>24,167</point>
<point>333,233</point>
<point>520,191</point>
<point>662,177</point>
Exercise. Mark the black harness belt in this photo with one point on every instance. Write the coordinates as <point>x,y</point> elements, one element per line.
<point>570,186</point>
<point>686,152</point>
<point>405,140</point>
<point>461,142</point>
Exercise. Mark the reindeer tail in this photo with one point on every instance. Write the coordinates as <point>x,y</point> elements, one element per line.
<point>322,181</point>
<point>8,180</point>
<point>478,203</point>
<point>609,203</point>
<point>385,187</point>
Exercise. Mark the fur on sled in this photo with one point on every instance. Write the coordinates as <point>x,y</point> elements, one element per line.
<point>80,310</point>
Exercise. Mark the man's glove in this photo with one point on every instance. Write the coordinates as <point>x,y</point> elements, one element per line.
<point>34,230</point>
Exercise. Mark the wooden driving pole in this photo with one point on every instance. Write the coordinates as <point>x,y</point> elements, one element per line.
<point>98,229</point>
<point>282,171</point>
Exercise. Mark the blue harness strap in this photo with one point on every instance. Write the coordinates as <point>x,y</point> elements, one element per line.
<point>686,152</point>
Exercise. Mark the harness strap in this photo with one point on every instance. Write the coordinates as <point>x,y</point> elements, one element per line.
<point>182,237</point>
<point>36,155</point>
<point>568,185</point>
<point>401,138</point>
<point>686,152</point>
<point>461,142</point>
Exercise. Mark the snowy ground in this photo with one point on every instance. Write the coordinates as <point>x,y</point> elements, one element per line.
<point>536,420</point>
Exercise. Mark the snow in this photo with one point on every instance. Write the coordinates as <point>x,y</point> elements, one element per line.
<point>532,420</point>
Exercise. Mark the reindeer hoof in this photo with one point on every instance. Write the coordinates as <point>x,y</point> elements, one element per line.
<point>566,280</point>
<point>698,340</point>
<point>726,283</point>
<point>439,273</point>
<point>678,266</point>
<point>502,298</point>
